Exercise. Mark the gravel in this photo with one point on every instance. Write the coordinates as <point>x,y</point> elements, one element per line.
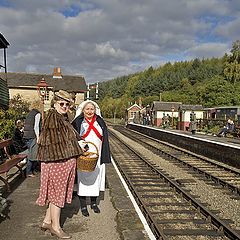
<point>212,194</point>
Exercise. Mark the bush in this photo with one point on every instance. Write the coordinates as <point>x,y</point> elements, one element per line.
<point>18,109</point>
<point>211,129</point>
<point>7,123</point>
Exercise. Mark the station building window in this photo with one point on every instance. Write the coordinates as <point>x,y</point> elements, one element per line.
<point>133,114</point>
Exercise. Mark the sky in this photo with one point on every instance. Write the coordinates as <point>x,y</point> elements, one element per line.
<point>105,39</point>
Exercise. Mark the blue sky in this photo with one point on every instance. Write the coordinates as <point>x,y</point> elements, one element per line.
<point>104,39</point>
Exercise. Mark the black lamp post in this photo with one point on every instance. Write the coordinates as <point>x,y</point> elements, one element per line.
<point>42,92</point>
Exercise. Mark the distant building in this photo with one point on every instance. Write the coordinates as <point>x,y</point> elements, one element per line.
<point>25,84</point>
<point>184,115</point>
<point>133,113</point>
<point>223,113</point>
<point>160,110</point>
<point>166,112</point>
<point>4,94</point>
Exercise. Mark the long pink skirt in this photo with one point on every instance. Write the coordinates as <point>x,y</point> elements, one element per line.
<point>57,181</point>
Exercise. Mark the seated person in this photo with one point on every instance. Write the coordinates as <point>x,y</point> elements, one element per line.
<point>230,127</point>
<point>17,138</point>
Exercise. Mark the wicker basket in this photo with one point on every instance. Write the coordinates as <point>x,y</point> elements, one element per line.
<point>88,161</point>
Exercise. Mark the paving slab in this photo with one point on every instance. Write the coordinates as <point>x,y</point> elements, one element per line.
<point>117,220</point>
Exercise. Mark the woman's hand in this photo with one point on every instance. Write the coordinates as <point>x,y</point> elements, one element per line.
<point>84,146</point>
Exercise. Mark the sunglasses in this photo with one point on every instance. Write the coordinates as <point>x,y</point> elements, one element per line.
<point>62,104</point>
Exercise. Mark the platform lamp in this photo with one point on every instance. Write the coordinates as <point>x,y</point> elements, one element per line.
<point>42,88</point>
<point>172,108</point>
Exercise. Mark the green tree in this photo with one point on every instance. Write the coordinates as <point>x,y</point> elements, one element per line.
<point>149,99</point>
<point>217,92</point>
<point>232,64</point>
<point>20,106</point>
<point>7,123</point>
<point>18,109</point>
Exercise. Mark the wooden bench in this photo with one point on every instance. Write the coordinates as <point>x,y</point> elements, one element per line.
<point>235,133</point>
<point>9,159</point>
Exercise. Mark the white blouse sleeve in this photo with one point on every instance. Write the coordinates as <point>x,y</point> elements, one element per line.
<point>37,124</point>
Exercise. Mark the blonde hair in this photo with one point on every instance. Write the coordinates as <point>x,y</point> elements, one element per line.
<point>36,104</point>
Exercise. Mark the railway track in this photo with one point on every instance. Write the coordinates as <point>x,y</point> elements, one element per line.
<point>222,174</point>
<point>172,213</point>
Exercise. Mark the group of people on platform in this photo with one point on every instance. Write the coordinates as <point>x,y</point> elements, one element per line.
<point>57,144</point>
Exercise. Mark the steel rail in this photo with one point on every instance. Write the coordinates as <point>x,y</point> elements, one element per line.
<point>210,217</point>
<point>222,182</point>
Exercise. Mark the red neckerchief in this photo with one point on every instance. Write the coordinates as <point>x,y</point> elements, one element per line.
<point>91,127</point>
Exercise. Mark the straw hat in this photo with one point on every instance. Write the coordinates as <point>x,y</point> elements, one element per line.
<point>61,94</point>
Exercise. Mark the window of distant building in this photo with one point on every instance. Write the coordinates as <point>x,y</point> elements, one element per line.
<point>133,114</point>
<point>46,97</point>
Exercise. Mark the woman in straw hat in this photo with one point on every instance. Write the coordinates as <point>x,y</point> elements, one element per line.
<point>92,128</point>
<point>58,149</point>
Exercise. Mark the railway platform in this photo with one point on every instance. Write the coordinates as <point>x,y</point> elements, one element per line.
<point>118,218</point>
<point>227,140</point>
<point>225,150</point>
<point>208,136</point>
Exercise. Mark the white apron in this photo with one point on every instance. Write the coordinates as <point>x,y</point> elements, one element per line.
<point>91,183</point>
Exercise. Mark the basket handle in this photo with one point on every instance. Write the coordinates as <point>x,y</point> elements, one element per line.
<point>93,145</point>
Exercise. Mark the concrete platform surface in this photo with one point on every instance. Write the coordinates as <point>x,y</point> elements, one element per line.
<point>117,220</point>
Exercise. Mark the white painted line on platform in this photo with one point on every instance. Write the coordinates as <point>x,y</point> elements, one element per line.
<point>140,214</point>
<point>232,145</point>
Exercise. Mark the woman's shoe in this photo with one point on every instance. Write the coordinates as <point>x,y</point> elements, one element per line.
<point>85,212</point>
<point>60,234</point>
<point>46,226</point>
<point>95,208</point>
<point>31,175</point>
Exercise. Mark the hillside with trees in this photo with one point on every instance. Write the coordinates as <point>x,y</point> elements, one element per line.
<point>210,82</point>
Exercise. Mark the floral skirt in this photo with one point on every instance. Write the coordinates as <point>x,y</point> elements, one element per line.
<point>57,181</point>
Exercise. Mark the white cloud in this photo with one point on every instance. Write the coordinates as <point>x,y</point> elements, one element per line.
<point>230,30</point>
<point>107,38</point>
<point>208,50</point>
<point>106,49</point>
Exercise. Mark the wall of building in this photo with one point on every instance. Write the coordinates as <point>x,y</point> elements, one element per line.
<point>79,98</point>
<point>159,116</point>
<point>31,94</point>
<point>4,94</point>
<point>26,94</point>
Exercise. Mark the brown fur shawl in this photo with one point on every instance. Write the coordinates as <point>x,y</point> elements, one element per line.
<point>58,139</point>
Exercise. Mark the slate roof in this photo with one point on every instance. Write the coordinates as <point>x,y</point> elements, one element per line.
<point>227,107</point>
<point>30,80</point>
<point>165,106</point>
<point>191,107</point>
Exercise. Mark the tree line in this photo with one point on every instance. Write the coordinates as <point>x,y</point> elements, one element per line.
<point>210,82</point>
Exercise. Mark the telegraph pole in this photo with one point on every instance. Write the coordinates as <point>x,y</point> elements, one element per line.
<point>97,90</point>
<point>88,91</point>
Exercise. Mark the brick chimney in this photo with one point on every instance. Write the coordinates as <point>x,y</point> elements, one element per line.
<point>57,72</point>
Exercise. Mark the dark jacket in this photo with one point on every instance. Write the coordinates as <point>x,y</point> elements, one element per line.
<point>58,139</point>
<point>18,141</point>
<point>105,154</point>
<point>29,124</point>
